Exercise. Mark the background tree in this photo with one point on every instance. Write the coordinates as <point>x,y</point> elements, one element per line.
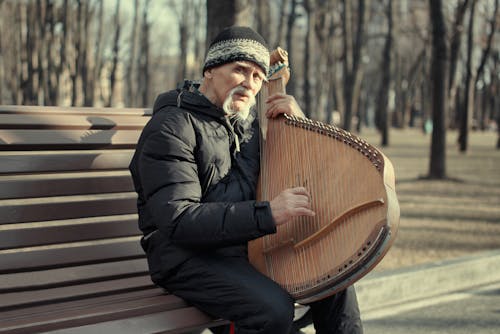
<point>225,13</point>
<point>353,41</point>
<point>465,110</point>
<point>382,112</point>
<point>130,81</point>
<point>116,54</point>
<point>437,167</point>
<point>102,53</point>
<point>456,41</point>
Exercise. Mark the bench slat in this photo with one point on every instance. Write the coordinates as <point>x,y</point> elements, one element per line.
<point>24,110</point>
<point>66,207</point>
<point>36,162</point>
<point>33,259</point>
<point>39,185</point>
<point>178,321</point>
<point>85,122</point>
<point>115,313</point>
<point>73,292</point>
<point>33,311</point>
<point>67,139</point>
<point>33,162</point>
<point>72,275</point>
<point>94,228</point>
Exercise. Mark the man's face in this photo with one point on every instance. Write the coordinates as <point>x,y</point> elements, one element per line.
<point>234,85</point>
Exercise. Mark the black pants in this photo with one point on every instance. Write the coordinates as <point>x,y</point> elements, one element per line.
<point>230,288</point>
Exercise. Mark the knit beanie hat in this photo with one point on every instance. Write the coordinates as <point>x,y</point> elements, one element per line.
<point>237,43</point>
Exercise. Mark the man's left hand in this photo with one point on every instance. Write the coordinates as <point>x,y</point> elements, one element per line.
<point>279,103</point>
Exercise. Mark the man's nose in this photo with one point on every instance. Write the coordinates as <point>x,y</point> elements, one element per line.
<point>249,83</point>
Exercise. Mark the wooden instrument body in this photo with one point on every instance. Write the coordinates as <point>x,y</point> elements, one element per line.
<point>353,194</point>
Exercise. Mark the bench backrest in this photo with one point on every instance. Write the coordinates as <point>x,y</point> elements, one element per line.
<point>67,205</point>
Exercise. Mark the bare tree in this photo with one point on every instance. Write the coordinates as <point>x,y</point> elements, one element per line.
<point>280,39</point>
<point>353,41</point>
<point>129,82</point>
<point>116,51</point>
<point>465,111</point>
<point>143,65</point>
<point>263,19</point>
<point>486,51</point>
<point>456,41</point>
<point>310,8</point>
<point>382,111</point>
<point>225,13</point>
<point>326,71</point>
<point>292,16</point>
<point>437,167</point>
<point>63,17</point>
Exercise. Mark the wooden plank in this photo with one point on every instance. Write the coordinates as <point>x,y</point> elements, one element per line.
<point>52,278</point>
<point>52,161</point>
<point>68,121</point>
<point>42,258</point>
<point>40,185</point>
<point>114,298</point>
<point>120,310</point>
<point>73,292</point>
<point>75,230</point>
<point>178,321</point>
<point>66,207</point>
<point>15,109</point>
<point>67,139</point>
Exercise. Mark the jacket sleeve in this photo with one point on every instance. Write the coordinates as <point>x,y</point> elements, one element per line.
<point>172,190</point>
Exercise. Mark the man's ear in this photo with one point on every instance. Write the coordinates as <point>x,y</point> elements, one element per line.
<point>208,73</point>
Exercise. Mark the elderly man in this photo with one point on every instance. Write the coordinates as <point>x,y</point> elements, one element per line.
<point>195,171</point>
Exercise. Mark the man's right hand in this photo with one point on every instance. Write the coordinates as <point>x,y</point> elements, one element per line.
<point>292,202</point>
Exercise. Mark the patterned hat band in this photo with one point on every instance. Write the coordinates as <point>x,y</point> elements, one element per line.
<point>230,50</point>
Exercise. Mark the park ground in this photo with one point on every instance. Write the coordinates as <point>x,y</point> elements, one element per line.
<point>443,219</point>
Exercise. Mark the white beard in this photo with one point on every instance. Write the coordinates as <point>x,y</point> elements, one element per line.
<point>228,105</point>
<point>245,116</point>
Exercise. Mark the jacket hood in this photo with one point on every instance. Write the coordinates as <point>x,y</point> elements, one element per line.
<point>187,97</point>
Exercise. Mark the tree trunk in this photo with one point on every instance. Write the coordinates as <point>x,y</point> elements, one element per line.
<point>468,104</point>
<point>225,13</point>
<point>64,17</point>
<point>85,65</point>
<point>116,51</point>
<point>28,68</point>
<point>353,47</point>
<point>437,167</point>
<point>263,19</point>
<point>78,50</point>
<point>289,44</point>
<point>184,35</point>
<point>385,84</point>
<point>199,32</point>
<point>51,68</point>
<point>280,39</point>
<point>144,58</point>
<point>489,42</point>
<point>309,53</point>
<point>456,41</point>
<point>130,83</point>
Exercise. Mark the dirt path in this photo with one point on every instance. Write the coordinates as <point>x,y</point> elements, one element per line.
<point>443,219</point>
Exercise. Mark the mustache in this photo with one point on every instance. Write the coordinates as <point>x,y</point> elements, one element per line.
<point>242,113</point>
<point>241,90</point>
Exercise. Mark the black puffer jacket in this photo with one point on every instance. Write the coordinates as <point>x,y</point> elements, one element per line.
<point>196,183</point>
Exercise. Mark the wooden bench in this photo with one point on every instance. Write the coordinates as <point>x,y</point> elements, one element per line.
<point>70,258</point>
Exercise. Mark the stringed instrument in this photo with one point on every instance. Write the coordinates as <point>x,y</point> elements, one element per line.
<point>353,193</point>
